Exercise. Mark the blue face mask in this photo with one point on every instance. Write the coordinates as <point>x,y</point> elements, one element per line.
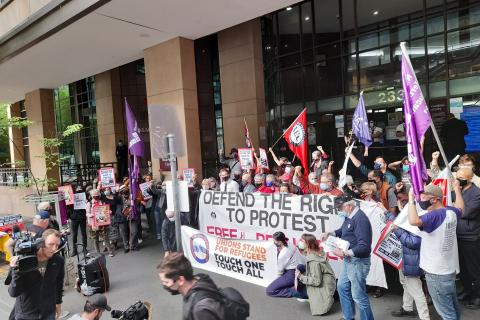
<point>406,168</point>
<point>269,183</point>
<point>377,166</point>
<point>342,214</point>
<point>324,186</point>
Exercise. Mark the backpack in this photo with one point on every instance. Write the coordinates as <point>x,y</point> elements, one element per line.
<point>236,307</point>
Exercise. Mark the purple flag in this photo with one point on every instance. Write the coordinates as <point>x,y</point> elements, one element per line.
<point>417,122</point>
<point>360,123</point>
<point>136,149</point>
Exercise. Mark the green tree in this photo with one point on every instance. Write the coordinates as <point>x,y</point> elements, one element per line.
<point>4,142</point>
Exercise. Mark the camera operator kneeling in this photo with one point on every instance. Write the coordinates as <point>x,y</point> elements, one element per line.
<point>93,308</point>
<point>39,290</point>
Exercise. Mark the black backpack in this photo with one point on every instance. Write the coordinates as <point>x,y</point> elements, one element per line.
<point>236,307</point>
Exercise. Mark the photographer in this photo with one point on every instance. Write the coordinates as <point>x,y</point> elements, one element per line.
<point>39,291</point>
<point>177,277</point>
<point>40,224</point>
<point>93,308</point>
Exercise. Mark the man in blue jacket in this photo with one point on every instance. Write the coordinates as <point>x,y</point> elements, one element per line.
<point>410,276</point>
<point>351,285</point>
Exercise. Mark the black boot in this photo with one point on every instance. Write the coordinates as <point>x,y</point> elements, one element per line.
<point>403,313</point>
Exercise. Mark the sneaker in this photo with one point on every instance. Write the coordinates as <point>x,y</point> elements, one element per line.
<point>302,300</point>
<point>403,313</point>
<point>140,240</point>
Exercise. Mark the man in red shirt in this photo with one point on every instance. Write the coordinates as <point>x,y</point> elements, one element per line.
<point>269,186</point>
<point>327,185</point>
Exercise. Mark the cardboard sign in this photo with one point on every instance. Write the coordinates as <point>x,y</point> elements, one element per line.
<point>79,201</point>
<point>246,260</point>
<point>107,177</point>
<point>101,215</point>
<point>389,248</point>
<point>263,158</point>
<point>245,156</point>
<point>67,193</point>
<point>188,174</point>
<point>144,188</point>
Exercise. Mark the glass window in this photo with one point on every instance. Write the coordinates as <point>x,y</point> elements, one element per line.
<point>436,57</point>
<point>348,17</point>
<point>351,73</point>
<point>462,51</point>
<point>329,77</point>
<point>465,85</point>
<point>307,25</point>
<point>291,85</point>
<point>375,68</point>
<point>327,23</point>
<point>289,61</point>
<point>309,83</point>
<point>438,89</point>
<point>370,13</point>
<point>368,41</point>
<point>435,25</point>
<point>289,30</point>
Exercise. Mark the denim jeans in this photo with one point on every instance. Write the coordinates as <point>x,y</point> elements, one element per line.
<point>444,295</point>
<point>158,213</point>
<point>351,288</point>
<point>283,285</point>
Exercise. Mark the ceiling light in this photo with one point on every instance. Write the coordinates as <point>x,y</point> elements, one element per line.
<point>288,8</point>
<point>375,12</point>
<point>307,18</point>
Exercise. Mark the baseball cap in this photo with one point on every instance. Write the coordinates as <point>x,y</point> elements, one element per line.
<point>433,190</point>
<point>42,215</point>
<point>340,200</point>
<point>100,301</point>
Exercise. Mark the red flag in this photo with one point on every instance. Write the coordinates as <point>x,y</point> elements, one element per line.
<point>296,137</point>
<point>248,141</point>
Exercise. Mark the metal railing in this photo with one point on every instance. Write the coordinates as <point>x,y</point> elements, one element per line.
<point>13,177</point>
<point>82,173</point>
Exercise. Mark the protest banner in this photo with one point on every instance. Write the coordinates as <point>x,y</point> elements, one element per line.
<point>101,215</point>
<point>188,174</point>
<point>144,188</point>
<point>245,155</point>
<point>389,248</point>
<point>183,199</point>
<point>67,193</point>
<point>263,158</point>
<point>246,260</point>
<point>80,201</point>
<point>107,177</point>
<point>257,216</point>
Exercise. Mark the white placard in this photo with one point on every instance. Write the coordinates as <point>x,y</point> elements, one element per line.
<point>144,188</point>
<point>182,197</point>
<point>107,177</point>
<point>80,201</point>
<point>335,242</point>
<point>245,156</point>
<point>263,158</point>
<point>188,174</point>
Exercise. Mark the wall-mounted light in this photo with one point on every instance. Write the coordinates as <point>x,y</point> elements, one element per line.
<point>307,18</point>
<point>288,8</point>
<point>375,12</point>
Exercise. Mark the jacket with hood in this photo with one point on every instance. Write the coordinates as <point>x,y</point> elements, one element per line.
<point>319,279</point>
<point>203,301</point>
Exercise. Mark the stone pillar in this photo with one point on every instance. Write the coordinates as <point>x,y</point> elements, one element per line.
<point>110,114</point>
<point>16,136</point>
<point>171,81</point>
<point>241,76</point>
<point>40,110</point>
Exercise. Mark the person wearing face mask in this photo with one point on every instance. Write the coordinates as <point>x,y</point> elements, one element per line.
<point>159,199</point>
<point>319,161</point>
<point>226,183</point>
<point>468,236</point>
<point>439,253</point>
<point>385,193</point>
<point>213,184</point>
<point>269,186</point>
<point>369,191</point>
<point>98,232</point>
<point>402,169</point>
<point>351,286</point>
<point>379,164</point>
<point>308,185</point>
<point>284,188</point>
<point>232,162</point>
<point>327,185</point>
<point>468,161</point>
<point>288,259</point>
<point>201,297</point>
<point>350,188</point>
<point>237,177</point>
<point>318,276</point>
<point>78,219</point>
<point>247,186</point>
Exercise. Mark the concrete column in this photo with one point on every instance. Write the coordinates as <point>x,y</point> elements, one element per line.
<point>15,135</point>
<point>110,114</point>
<point>241,76</point>
<point>40,110</point>
<point>171,81</point>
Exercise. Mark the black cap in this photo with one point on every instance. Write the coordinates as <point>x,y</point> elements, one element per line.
<point>100,301</point>
<point>340,200</point>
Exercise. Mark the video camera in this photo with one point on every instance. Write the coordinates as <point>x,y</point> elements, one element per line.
<point>26,248</point>
<point>137,311</point>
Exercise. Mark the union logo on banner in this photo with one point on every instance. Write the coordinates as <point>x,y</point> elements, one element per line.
<point>297,135</point>
<point>199,247</point>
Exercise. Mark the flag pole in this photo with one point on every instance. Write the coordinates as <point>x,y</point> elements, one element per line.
<point>432,125</point>
<point>287,128</point>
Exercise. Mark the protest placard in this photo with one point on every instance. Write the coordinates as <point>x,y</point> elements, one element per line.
<point>188,174</point>
<point>183,199</point>
<point>80,201</point>
<point>245,260</point>
<point>101,215</point>
<point>389,247</point>
<point>245,155</point>
<point>67,193</point>
<point>256,216</point>
<point>144,188</point>
<point>107,177</point>
<point>334,242</point>
<point>263,158</point>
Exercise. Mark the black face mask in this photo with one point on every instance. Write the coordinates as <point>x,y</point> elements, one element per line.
<point>96,198</point>
<point>424,204</point>
<point>371,180</point>
<point>258,185</point>
<point>173,292</point>
<point>223,179</point>
<point>462,182</point>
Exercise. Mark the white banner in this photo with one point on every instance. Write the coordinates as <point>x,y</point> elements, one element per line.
<point>246,260</point>
<point>257,216</point>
